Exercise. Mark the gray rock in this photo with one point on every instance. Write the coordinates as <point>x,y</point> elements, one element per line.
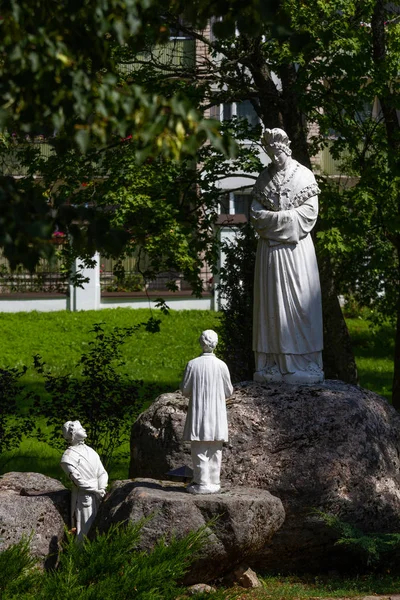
<point>200,588</point>
<point>246,577</point>
<point>332,446</point>
<point>26,483</point>
<point>34,505</point>
<point>247,519</point>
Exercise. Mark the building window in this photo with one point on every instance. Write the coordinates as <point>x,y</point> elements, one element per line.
<point>234,203</point>
<point>241,110</point>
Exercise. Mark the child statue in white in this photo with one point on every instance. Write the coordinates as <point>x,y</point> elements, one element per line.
<point>84,468</point>
<point>207,384</point>
<point>287,319</point>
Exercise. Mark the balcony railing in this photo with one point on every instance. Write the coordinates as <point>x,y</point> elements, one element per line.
<point>328,165</point>
<point>131,280</point>
<point>10,162</point>
<point>176,52</point>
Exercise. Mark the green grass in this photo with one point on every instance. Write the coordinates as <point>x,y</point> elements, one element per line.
<point>61,337</point>
<point>374,351</point>
<point>159,359</point>
<point>287,588</point>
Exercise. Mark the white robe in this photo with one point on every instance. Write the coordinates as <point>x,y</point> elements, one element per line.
<point>207,383</point>
<point>287,316</point>
<point>84,468</point>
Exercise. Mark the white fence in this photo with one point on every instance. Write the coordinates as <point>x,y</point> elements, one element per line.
<point>90,297</point>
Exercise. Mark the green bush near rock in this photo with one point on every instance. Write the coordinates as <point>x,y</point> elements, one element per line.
<point>107,568</point>
<point>378,551</point>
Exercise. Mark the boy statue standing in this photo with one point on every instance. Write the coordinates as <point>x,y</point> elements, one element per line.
<point>207,384</point>
<point>84,468</point>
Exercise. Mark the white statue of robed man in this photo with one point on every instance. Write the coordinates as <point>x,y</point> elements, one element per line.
<point>207,384</point>
<point>287,318</point>
<point>84,468</point>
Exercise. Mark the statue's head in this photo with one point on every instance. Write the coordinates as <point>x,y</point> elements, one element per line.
<point>73,432</point>
<point>208,340</point>
<point>276,141</point>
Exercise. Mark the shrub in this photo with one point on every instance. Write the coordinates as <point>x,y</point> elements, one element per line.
<point>16,569</point>
<point>236,291</point>
<point>104,400</point>
<point>13,423</point>
<point>374,550</point>
<point>111,568</point>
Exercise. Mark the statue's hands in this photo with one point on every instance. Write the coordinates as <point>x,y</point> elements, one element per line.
<point>259,218</point>
<point>101,493</point>
<point>255,213</point>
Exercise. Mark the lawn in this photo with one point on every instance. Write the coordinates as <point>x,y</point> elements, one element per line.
<point>60,338</point>
<point>326,586</point>
<point>159,359</point>
<point>374,351</point>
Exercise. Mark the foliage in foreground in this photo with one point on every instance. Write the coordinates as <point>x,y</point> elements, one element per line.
<point>16,568</point>
<point>107,568</point>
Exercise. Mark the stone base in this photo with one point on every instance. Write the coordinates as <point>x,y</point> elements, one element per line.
<point>331,446</point>
<point>309,376</point>
<point>247,520</point>
<point>33,503</point>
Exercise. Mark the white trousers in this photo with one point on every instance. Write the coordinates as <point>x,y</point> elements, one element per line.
<point>206,458</point>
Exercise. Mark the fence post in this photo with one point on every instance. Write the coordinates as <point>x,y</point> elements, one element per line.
<point>88,297</point>
<point>226,235</point>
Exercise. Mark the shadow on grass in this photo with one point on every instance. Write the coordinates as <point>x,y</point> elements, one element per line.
<point>39,457</point>
<point>33,457</point>
<point>374,352</point>
<point>332,586</point>
<point>371,343</point>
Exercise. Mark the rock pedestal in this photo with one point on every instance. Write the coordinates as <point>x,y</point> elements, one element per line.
<point>332,447</point>
<point>247,519</point>
<point>31,503</point>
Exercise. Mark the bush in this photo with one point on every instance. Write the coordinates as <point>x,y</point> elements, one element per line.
<point>373,550</point>
<point>105,401</point>
<point>16,569</point>
<point>111,568</point>
<point>13,423</point>
<point>236,291</point>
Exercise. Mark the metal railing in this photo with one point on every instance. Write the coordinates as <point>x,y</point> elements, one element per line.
<point>48,278</point>
<point>329,165</point>
<point>176,52</point>
<point>10,162</point>
<point>131,280</point>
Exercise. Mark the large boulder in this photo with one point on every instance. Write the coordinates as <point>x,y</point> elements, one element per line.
<point>246,520</point>
<point>33,505</point>
<point>332,447</point>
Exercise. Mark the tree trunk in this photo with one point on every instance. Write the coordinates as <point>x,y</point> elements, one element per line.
<point>338,356</point>
<point>269,97</point>
<point>281,109</point>
<point>388,104</point>
<point>293,119</point>
<point>396,374</point>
